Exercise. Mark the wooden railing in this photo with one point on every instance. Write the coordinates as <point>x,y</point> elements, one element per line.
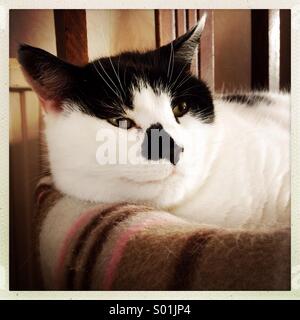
<point>170,24</point>
<point>269,43</point>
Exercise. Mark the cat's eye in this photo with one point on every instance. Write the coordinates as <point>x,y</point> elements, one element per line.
<point>124,123</point>
<point>180,109</point>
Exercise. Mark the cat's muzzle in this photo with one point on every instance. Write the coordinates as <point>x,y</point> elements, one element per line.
<point>158,144</point>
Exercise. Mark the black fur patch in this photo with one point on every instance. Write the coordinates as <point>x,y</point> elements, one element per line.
<point>248,99</point>
<point>103,88</point>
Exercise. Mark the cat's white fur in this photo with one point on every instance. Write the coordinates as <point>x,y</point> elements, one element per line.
<point>234,172</point>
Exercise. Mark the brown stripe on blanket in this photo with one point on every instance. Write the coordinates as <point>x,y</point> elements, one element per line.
<point>81,242</point>
<point>149,258</point>
<point>98,244</point>
<point>93,241</point>
<point>49,200</point>
<point>71,266</point>
<point>245,260</point>
<point>188,260</point>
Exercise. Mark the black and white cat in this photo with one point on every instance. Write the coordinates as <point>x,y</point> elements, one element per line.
<point>227,162</point>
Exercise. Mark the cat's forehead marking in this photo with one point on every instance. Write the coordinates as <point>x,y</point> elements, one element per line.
<point>151,106</point>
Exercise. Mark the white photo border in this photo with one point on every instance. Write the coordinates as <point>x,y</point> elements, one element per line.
<point>6,5</point>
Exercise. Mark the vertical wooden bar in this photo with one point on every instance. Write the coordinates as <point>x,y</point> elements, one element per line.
<point>171,23</point>
<point>180,17</point>
<point>206,52</point>
<point>191,20</point>
<point>285,50</point>
<point>17,240</point>
<point>232,50</point>
<point>271,52</point>
<point>164,26</point>
<point>259,49</point>
<point>24,153</point>
<point>274,49</point>
<point>71,35</point>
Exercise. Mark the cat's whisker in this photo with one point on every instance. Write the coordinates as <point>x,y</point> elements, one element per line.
<point>192,87</point>
<point>173,84</point>
<point>173,60</point>
<point>185,95</point>
<point>119,93</point>
<point>169,64</point>
<point>124,75</point>
<point>118,78</point>
<point>105,81</point>
<point>119,74</point>
<point>184,80</point>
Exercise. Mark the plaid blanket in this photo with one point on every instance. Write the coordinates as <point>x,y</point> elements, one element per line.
<point>86,246</point>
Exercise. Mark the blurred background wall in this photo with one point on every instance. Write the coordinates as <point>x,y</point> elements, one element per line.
<point>239,49</point>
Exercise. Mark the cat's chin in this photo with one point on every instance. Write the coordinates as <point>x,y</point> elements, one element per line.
<point>172,190</point>
<point>154,180</point>
<point>164,192</point>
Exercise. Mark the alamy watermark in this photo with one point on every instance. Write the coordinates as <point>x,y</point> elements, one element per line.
<point>125,147</point>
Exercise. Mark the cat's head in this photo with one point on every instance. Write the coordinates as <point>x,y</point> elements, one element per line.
<point>127,127</point>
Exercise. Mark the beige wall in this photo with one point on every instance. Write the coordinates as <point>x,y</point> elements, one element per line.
<point>108,31</point>
<point>112,31</point>
<point>34,27</point>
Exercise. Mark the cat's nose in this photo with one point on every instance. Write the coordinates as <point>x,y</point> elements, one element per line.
<point>158,144</point>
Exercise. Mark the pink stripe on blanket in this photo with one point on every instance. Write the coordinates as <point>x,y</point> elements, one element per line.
<point>82,221</point>
<point>120,247</point>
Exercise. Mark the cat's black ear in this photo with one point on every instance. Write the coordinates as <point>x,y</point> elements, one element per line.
<point>50,77</point>
<point>186,45</point>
